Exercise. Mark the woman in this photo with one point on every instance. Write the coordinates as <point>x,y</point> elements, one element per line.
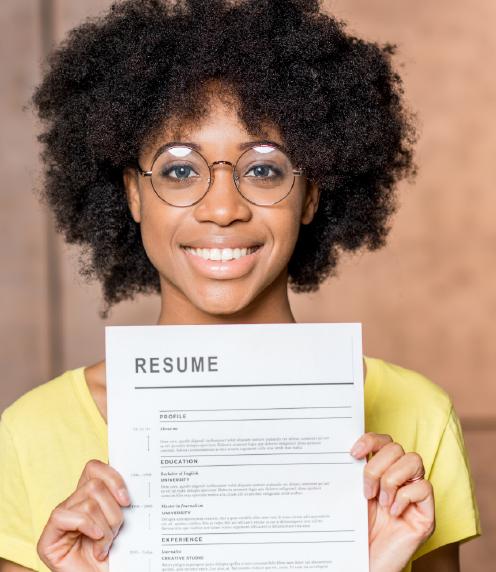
<point>157,116</point>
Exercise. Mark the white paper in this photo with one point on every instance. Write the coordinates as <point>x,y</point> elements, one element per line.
<point>242,461</point>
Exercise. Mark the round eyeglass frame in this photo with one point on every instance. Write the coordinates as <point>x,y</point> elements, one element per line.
<point>296,172</point>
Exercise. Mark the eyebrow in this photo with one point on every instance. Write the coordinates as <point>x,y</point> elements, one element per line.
<point>247,144</point>
<point>196,147</point>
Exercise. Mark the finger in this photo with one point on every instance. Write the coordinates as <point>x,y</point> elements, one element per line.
<point>369,443</point>
<point>97,490</point>
<point>92,508</point>
<point>420,494</point>
<point>406,468</point>
<point>95,469</point>
<point>62,521</point>
<point>377,466</point>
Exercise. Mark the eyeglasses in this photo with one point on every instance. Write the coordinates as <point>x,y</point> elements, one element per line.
<point>181,176</point>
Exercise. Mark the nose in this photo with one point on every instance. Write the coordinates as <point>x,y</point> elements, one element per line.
<point>222,204</point>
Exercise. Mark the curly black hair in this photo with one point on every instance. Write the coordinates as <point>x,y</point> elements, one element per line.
<point>116,79</point>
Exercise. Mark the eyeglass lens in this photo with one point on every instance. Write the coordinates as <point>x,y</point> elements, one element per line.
<point>263,174</point>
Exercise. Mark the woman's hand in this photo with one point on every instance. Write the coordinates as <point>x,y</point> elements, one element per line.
<point>80,530</point>
<point>401,502</point>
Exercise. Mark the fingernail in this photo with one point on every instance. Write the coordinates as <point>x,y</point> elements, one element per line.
<point>394,509</point>
<point>357,449</point>
<point>104,552</point>
<point>124,496</point>
<point>368,490</point>
<point>383,498</point>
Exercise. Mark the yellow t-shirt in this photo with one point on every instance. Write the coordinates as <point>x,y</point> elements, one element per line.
<point>48,435</point>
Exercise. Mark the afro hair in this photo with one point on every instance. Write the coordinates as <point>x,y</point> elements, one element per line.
<point>334,98</point>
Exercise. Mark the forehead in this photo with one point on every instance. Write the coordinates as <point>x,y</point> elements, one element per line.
<point>218,124</point>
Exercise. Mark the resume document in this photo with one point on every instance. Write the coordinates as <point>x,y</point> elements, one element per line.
<point>234,442</point>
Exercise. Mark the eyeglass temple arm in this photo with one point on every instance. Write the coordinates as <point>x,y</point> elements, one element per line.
<point>142,172</point>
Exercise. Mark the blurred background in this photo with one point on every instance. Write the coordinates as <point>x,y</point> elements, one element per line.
<point>427,301</point>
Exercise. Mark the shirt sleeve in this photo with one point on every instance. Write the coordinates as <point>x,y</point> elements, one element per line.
<point>457,515</point>
<point>16,530</point>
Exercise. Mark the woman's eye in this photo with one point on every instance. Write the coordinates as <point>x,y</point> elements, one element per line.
<point>263,171</point>
<point>179,172</point>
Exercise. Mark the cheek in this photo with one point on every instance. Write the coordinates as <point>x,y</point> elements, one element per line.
<point>157,227</point>
<point>288,221</point>
<point>285,225</point>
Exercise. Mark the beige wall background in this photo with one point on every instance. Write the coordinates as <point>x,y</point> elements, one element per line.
<point>427,301</point>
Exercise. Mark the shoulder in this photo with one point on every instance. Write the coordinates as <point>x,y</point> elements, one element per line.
<point>55,421</point>
<point>41,405</point>
<point>390,385</point>
<point>406,405</point>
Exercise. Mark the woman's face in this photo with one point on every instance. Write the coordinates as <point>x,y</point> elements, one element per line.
<point>222,219</point>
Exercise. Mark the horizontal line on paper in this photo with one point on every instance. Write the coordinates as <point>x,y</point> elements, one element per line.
<point>265,464</point>
<point>242,543</point>
<point>251,454</point>
<point>250,419</point>
<point>202,533</point>
<point>256,408</point>
<point>238,385</point>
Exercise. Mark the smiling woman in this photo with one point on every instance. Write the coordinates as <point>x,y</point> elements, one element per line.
<point>332,100</point>
<point>219,220</point>
<point>216,168</point>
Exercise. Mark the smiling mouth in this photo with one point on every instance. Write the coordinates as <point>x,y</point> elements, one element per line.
<point>221,254</point>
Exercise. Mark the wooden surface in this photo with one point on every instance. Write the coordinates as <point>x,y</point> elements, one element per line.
<point>25,347</point>
<point>427,301</point>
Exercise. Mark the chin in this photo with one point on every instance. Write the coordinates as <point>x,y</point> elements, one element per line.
<point>223,304</point>
<point>221,309</point>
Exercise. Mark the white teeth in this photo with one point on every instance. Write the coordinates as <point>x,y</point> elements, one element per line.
<point>215,254</point>
<point>227,254</point>
<point>221,254</point>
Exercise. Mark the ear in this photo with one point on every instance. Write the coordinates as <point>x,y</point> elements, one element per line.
<point>130,178</point>
<point>310,203</point>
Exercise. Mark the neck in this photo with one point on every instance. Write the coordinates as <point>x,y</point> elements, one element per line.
<point>271,306</point>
